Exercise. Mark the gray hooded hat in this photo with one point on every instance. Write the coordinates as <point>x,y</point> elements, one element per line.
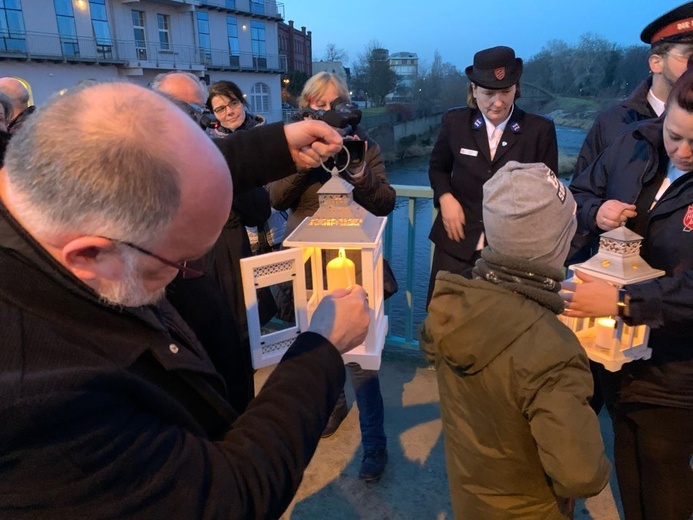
<point>529,213</point>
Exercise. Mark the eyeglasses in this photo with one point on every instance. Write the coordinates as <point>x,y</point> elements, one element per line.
<point>685,57</point>
<point>183,269</point>
<point>222,108</point>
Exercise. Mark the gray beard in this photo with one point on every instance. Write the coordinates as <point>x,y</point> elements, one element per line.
<point>129,292</point>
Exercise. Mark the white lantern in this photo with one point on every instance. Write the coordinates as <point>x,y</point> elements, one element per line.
<point>339,225</point>
<point>608,340</point>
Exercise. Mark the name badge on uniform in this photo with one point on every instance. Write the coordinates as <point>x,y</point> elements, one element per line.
<point>467,151</point>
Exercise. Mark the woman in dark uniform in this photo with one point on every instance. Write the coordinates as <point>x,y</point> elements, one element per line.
<point>475,142</point>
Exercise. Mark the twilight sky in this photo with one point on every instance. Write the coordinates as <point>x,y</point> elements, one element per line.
<point>459,28</point>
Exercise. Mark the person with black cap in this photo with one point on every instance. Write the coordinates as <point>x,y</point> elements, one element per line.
<point>671,44</point>
<point>473,143</point>
<point>644,181</point>
<point>671,40</point>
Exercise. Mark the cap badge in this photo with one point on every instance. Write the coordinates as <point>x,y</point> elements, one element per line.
<point>499,73</point>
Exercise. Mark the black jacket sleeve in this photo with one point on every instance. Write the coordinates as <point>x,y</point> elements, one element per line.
<point>257,156</point>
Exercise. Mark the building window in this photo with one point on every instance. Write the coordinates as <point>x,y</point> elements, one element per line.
<point>66,27</point>
<point>230,4</point>
<point>234,48</point>
<point>257,37</point>
<point>102,32</point>
<point>257,6</point>
<point>204,39</point>
<point>164,22</point>
<point>12,35</point>
<point>260,98</point>
<point>140,35</point>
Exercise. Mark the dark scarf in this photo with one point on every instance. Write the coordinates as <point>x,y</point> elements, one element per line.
<point>535,280</point>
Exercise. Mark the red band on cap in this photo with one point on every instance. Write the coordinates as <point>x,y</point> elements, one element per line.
<point>673,29</point>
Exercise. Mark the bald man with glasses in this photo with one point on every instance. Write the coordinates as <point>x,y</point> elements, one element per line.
<point>111,406</point>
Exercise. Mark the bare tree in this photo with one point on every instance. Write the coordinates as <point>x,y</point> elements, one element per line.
<point>593,68</point>
<point>332,53</point>
<point>373,75</point>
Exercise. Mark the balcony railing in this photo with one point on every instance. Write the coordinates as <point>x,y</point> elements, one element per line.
<point>263,9</point>
<point>132,53</point>
<point>406,309</point>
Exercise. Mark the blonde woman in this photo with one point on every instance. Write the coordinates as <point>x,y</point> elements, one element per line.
<point>298,194</point>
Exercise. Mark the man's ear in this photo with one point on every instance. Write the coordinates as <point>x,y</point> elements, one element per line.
<point>656,62</point>
<point>93,258</point>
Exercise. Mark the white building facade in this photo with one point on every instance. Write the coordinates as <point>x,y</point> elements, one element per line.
<point>54,44</point>
<point>406,66</point>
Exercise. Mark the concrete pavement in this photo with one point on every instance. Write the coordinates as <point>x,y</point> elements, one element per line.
<point>414,485</point>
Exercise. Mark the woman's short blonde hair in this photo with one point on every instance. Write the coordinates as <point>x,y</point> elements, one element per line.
<point>316,86</point>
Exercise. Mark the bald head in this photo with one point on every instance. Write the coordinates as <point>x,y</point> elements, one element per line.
<point>182,86</point>
<point>113,159</point>
<point>17,92</point>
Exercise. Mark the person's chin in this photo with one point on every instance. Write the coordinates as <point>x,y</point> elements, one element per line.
<point>116,297</point>
<point>684,166</point>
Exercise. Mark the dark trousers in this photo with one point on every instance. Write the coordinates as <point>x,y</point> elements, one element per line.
<point>444,262</point>
<point>366,384</point>
<point>653,450</point>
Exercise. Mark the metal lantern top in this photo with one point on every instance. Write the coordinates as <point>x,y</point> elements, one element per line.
<point>618,260</point>
<point>338,221</point>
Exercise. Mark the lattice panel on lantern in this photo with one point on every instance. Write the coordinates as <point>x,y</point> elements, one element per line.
<point>618,247</point>
<point>280,345</point>
<point>279,267</point>
<point>269,341</point>
<point>333,200</point>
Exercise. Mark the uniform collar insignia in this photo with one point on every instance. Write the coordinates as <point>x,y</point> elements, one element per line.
<point>515,127</point>
<point>478,122</point>
<point>688,219</point>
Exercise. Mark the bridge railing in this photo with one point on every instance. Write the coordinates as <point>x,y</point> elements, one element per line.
<point>409,252</point>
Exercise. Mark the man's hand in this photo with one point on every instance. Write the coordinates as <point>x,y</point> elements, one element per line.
<point>342,318</point>
<point>453,216</point>
<point>590,297</point>
<point>311,141</point>
<point>614,213</point>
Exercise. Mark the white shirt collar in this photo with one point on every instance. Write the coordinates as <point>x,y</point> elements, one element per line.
<point>656,103</point>
<point>501,126</point>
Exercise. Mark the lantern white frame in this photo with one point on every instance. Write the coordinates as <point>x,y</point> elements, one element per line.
<point>368,354</point>
<point>263,271</point>
<point>617,262</point>
<point>627,343</point>
<point>288,265</point>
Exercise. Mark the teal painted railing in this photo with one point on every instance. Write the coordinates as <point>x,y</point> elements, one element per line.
<point>415,195</point>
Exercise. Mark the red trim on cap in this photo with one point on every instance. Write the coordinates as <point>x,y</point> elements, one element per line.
<point>673,29</point>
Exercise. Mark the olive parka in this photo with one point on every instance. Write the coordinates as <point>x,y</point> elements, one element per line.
<point>520,437</point>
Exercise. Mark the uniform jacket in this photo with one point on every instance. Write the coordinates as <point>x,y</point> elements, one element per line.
<point>120,412</point>
<point>666,304</point>
<point>460,164</point>
<point>299,192</point>
<point>514,384</point>
<point>613,121</point>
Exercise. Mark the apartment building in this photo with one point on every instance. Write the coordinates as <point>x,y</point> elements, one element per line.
<point>53,44</point>
<point>297,46</point>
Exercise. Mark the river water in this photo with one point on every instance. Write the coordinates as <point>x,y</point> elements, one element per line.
<point>414,172</point>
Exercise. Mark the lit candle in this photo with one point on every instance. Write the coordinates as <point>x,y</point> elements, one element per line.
<point>341,272</point>
<point>605,332</point>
